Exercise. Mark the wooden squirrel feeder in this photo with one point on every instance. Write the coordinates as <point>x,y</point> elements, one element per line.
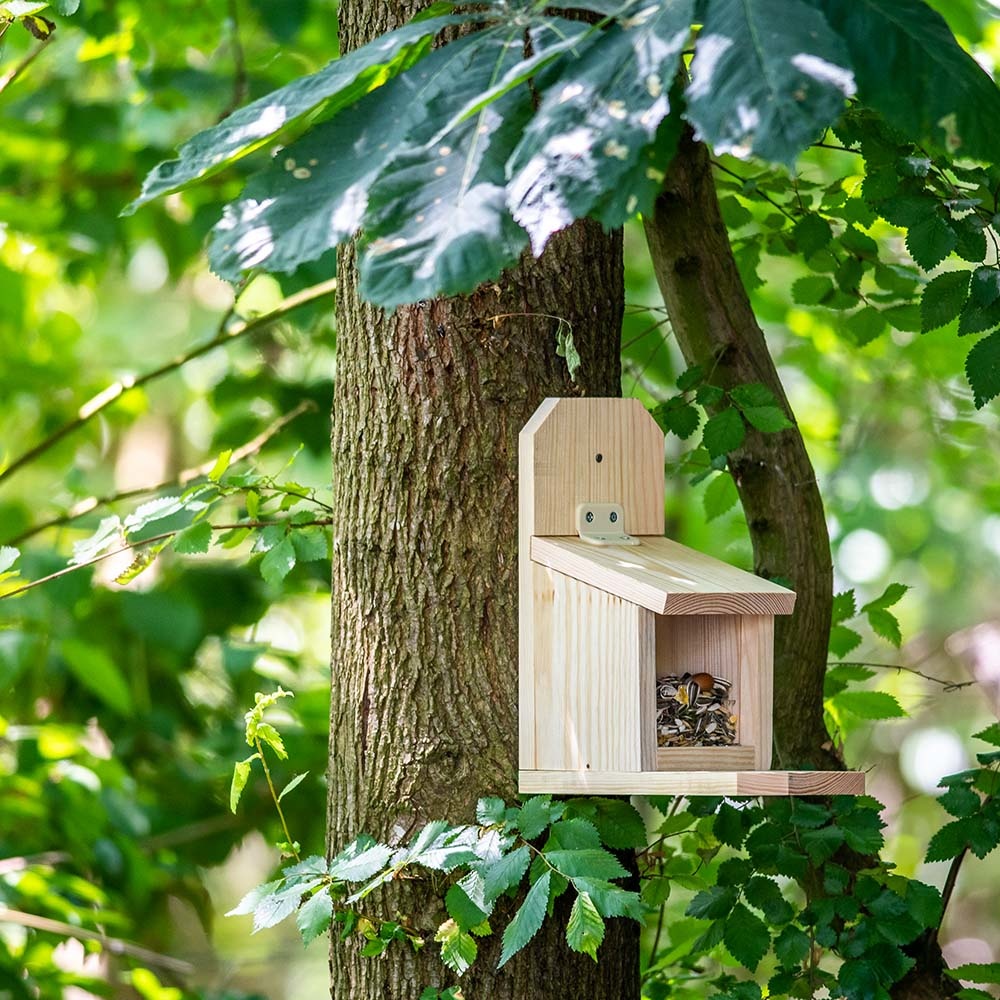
<point>608,618</point>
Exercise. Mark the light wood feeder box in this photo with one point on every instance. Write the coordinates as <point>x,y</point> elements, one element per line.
<point>604,613</point>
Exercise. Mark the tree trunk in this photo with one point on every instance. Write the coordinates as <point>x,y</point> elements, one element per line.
<point>427,409</point>
<point>713,321</point>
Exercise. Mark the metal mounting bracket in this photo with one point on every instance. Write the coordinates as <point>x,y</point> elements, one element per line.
<point>603,524</point>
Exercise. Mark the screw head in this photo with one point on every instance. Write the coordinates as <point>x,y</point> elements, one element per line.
<point>598,457</point>
<point>613,516</point>
<point>590,517</point>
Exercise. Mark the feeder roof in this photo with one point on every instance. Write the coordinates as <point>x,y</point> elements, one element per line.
<point>664,576</point>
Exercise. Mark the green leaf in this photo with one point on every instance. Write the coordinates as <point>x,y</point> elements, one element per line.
<point>677,416</point>
<point>619,824</point>
<point>598,145</point>
<point>950,840</point>
<point>589,863</point>
<point>811,291</point>
<point>960,801</point>
<point>977,972</point>
<point>720,496</point>
<point>571,834</point>
<point>311,543</point>
<point>153,511</point>
<point>690,378</point>
<point>724,432</point>
<point>822,843</point>
<point>769,419</point>
<point>504,874</point>
<point>490,811</point>
<point>360,860</point>
<point>985,287</point>
<point>843,640</point>
<point>338,85</point>
<point>768,76</point>
<point>943,299</point>
<point>866,325</point>
<point>535,817</point>
<point>241,773</point>
<point>728,826</point>
<point>458,948</point>
<point>527,920</point>
<point>437,222</point>
<point>713,903</point>
<point>977,319</point>
<point>889,597</point>
<point>611,900</point>
<point>278,561</point>
<point>844,606</point>
<point>221,464</point>
<point>982,369</point>
<point>792,945</point>
<point>734,871</point>
<point>98,673</point>
<point>293,784</point>
<point>862,829</point>
<point>194,539</point>
<point>8,556</point>
<point>763,894</point>
<point>991,734</point>
<point>910,68</point>
<point>314,917</point>
<point>746,936</point>
<point>566,348</point>
<point>886,625</point>
<point>859,980</point>
<point>870,705</point>
<point>812,233</point>
<point>585,928</point>
<point>462,909</point>
<point>930,240</point>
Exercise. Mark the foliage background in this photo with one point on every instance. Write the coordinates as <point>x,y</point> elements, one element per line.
<point>114,791</point>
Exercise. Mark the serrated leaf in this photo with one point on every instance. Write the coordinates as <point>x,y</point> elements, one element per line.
<point>866,325</point>
<point>720,496</point>
<point>991,734</point>
<point>527,920</point>
<point>194,539</point>
<point>811,291</point>
<point>336,86</point>
<point>462,910</point>
<point>728,826</point>
<point>911,69</point>
<point>982,369</point>
<point>950,840</point>
<point>858,980</point>
<point>458,948</point>
<point>573,834</point>
<point>311,543</point>
<point>724,432</point>
<point>585,928</point>
<point>768,76</point>
<point>107,535</point>
<point>746,936</point>
<point>812,233</point>
<point>360,861</point>
<point>490,811</point>
<point>844,606</point>
<point>930,240</point>
<point>241,774</point>
<point>977,972</point>
<point>504,874</point>
<point>870,705</point>
<point>885,624</point>
<point>278,562</point>
<point>315,916</point>
<point>792,945</point>
<point>862,829</point>
<point>589,863</point>
<point>984,289</point>
<point>943,299</point>
<point>251,900</point>
<point>769,419</point>
<point>534,817</point>
<point>677,416</point>
<point>611,900</point>
<point>889,597</point>
<point>763,894</point>
<point>690,378</point>
<point>619,824</point>
<point>597,145</point>
<point>960,801</point>
<point>713,903</point>
<point>843,640</point>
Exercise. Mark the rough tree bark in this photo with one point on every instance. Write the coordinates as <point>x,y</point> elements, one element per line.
<point>427,408</point>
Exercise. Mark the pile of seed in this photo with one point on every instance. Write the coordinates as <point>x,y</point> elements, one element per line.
<point>694,710</point>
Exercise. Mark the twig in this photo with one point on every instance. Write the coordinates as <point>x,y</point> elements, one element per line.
<point>277,801</point>
<point>226,333</point>
<point>240,82</point>
<point>152,540</point>
<point>15,71</point>
<point>949,888</point>
<point>732,173</point>
<point>947,685</point>
<point>115,945</point>
<point>645,333</point>
<point>183,479</point>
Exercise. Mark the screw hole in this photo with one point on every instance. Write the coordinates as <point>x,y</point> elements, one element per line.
<point>590,517</point>
<point>598,457</point>
<point>613,517</point>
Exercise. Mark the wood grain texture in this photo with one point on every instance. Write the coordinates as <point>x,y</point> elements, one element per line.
<point>665,577</point>
<point>735,758</point>
<point>590,651</point>
<point>559,447</point>
<point>756,706</point>
<point>773,783</point>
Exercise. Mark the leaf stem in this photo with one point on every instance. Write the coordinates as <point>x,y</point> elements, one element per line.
<point>277,803</point>
<point>15,71</point>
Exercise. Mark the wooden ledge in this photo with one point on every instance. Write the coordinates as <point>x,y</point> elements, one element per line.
<point>692,782</point>
<point>663,576</point>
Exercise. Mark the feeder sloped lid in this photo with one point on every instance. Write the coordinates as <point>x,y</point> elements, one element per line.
<point>664,576</point>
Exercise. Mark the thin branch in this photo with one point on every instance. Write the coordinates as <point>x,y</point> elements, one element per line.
<point>114,945</point>
<point>241,86</point>
<point>152,540</point>
<point>226,333</point>
<point>949,888</point>
<point>645,333</point>
<point>732,173</point>
<point>187,476</point>
<point>947,685</point>
<point>15,71</point>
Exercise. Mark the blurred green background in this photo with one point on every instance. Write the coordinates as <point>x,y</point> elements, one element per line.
<point>121,707</point>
